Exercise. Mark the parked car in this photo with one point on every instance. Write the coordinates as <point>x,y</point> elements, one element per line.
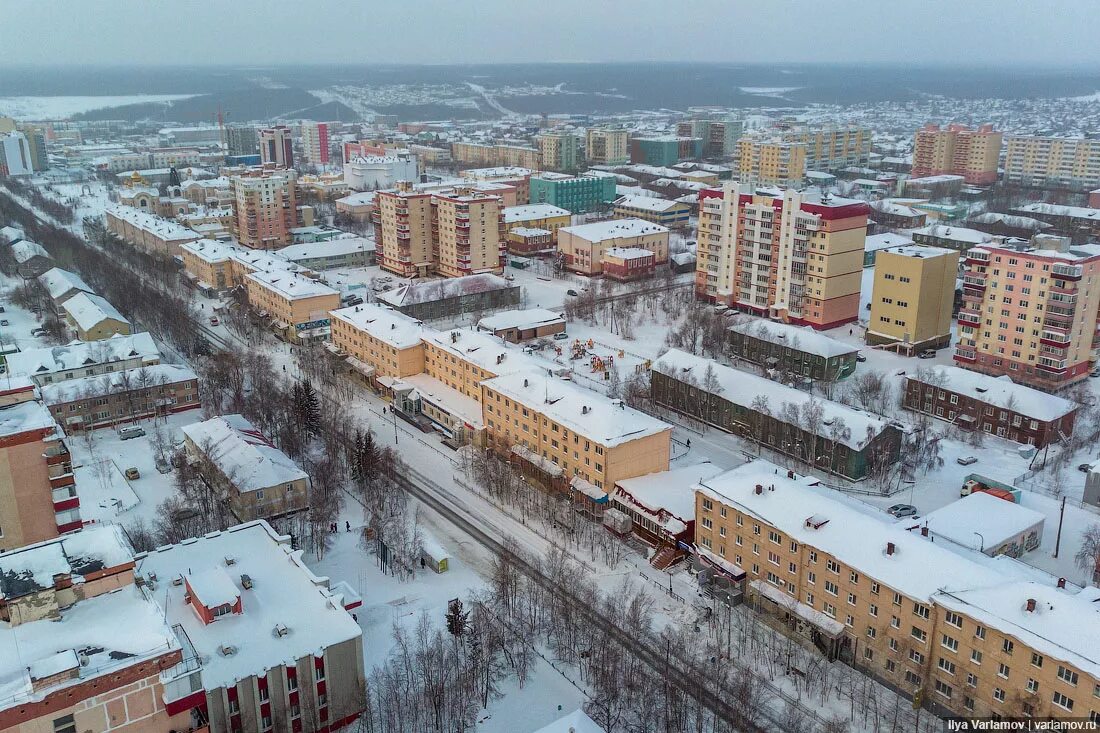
<point>214,320</point>
<point>4,322</point>
<point>162,465</point>
<point>902,510</point>
<point>966,460</point>
<point>572,292</point>
<point>860,357</point>
<point>38,331</point>
<point>132,474</point>
<point>132,431</point>
<point>927,354</point>
<point>1095,373</point>
<point>1085,467</point>
<point>561,336</point>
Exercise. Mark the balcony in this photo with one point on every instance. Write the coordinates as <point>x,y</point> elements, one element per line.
<point>970,317</point>
<point>967,355</point>
<point>1055,337</point>
<point>977,255</point>
<point>1062,296</point>
<point>974,280</point>
<point>1066,272</point>
<point>1052,366</point>
<point>62,479</point>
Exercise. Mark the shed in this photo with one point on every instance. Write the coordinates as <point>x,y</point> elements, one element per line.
<point>433,555</point>
<point>985,523</point>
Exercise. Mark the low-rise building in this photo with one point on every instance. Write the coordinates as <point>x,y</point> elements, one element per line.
<point>628,263</point>
<point>94,318</point>
<point>101,401</point>
<point>994,405</point>
<point>985,523</point>
<point>378,341</point>
<point>651,208</point>
<point>256,479</point>
<point>60,285</point>
<point>792,350</point>
<point>826,435</point>
<point>952,237</point>
<point>877,242</point>
<point>582,247</point>
<point>452,296</point>
<point>887,213</point>
<point>576,194</point>
<point>31,259</point>
<point>148,231</point>
<point>530,241</point>
<point>359,206</point>
<point>523,325</point>
<point>79,359</point>
<point>537,216</point>
<point>661,505</point>
<point>912,297</point>
<point>270,640</point>
<point>297,306</point>
<point>1081,224</point>
<point>331,254</point>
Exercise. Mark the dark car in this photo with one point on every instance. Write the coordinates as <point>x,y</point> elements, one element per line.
<point>572,292</point>
<point>860,357</point>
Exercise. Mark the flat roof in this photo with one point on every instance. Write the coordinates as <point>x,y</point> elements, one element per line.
<point>655,204</point>
<point>385,324</point>
<point>996,520</point>
<point>292,286</point>
<point>600,231</point>
<point>529,318</point>
<point>530,212</point>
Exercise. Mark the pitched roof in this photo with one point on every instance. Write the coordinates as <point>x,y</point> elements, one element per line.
<point>242,453</point>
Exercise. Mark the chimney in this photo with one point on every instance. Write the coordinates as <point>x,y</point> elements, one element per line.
<point>924,531</point>
<point>889,548</point>
<point>584,409</point>
<point>1031,605</point>
<point>759,489</point>
<point>790,474</point>
<point>1061,582</point>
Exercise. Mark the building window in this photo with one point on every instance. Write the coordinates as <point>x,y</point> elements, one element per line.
<point>971,679</point>
<point>998,694</point>
<point>64,724</point>
<point>919,634</point>
<point>1003,670</point>
<point>949,643</point>
<point>1032,685</point>
<point>975,656</point>
<point>954,619</point>
<point>1062,701</point>
<point>947,666</point>
<point>944,689</point>
<point>1007,646</point>
<point>1067,675</point>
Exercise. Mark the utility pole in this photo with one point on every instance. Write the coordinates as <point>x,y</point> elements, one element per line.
<point>1058,538</point>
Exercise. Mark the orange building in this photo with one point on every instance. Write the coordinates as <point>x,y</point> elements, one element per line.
<point>957,150</point>
<point>266,209</point>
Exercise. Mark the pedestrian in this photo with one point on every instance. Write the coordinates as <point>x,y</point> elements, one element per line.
<point>851,331</point>
<point>347,525</point>
<point>689,442</point>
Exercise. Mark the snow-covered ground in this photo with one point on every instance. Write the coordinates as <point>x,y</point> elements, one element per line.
<point>60,108</point>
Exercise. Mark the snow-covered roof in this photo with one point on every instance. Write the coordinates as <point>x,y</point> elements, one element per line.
<point>446,397</point>
<point>529,232</point>
<point>926,180</point>
<point>22,417</point>
<point>32,568</point>
<point>503,171</point>
<point>12,234</point>
<point>627,253</point>
<point>25,250</point>
<point>742,388</point>
<point>158,226</point>
<point>291,285</point>
<point>385,324</point>
<point>917,568</point>
<point>876,242</point>
<point>89,310</point>
<point>920,251</point>
<point>284,592</point>
<point>242,453</point>
<point>58,282</point>
<point>213,587</point>
<point>574,722</point>
<point>211,250</point>
<point>1010,220</point>
<point>532,212</point>
<point>672,490</point>
<point>954,233</point>
<point>1072,212</point>
<point>591,414</point>
<point>329,248</point>
<point>980,513</point>
<point>433,290</point>
<point>800,338</point>
<point>1000,391</point>
<point>112,382</point>
<point>521,319</point>
<point>600,231</point>
<point>488,351</point>
<point>892,208</point>
<point>81,354</point>
<point>655,204</point>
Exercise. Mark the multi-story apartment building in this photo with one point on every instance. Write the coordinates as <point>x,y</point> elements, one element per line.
<point>496,155</point>
<point>1053,162</point>
<point>912,297</point>
<point>583,248</point>
<point>82,647</point>
<point>606,146</point>
<point>771,162</point>
<point>994,405</point>
<point>383,342</point>
<point>270,645</point>
<point>38,499</point>
<point>802,351</point>
<point>1030,312</point>
<point>957,150</point>
<point>563,433</point>
<point>665,150</point>
<point>794,256</point>
<point>124,396</point>
<point>513,177</point>
<point>277,146</point>
<point>576,194</point>
<point>964,637</point>
<point>315,142</point>
<point>719,134</point>
<point>832,147</point>
<point>148,231</point>
<point>15,155</point>
<point>450,233</point>
<point>298,306</point>
<point>558,151</point>
<point>839,440</point>
<point>266,209</point>
<point>241,140</point>
<point>79,359</point>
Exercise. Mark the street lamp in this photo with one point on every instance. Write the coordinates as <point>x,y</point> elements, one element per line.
<point>981,547</point>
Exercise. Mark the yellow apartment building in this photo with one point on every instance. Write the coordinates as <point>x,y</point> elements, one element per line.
<point>558,151</point>
<point>297,306</point>
<point>208,263</point>
<point>469,234</point>
<point>771,162</point>
<point>562,432</point>
<point>914,291</point>
<point>384,342</point>
<point>607,146</point>
<point>1053,162</point>
<point>961,636</point>
<point>537,216</point>
<point>957,150</point>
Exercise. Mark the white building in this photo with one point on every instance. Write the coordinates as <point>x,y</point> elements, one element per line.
<point>15,155</point>
<point>372,172</point>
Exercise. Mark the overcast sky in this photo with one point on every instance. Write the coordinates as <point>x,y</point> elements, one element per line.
<point>184,32</point>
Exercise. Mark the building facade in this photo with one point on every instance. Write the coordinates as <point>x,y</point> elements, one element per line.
<point>797,351</point>
<point>957,150</point>
<point>315,143</point>
<point>558,151</point>
<point>795,257</point>
<point>277,146</point>
<point>583,248</point>
<point>771,162</point>
<point>121,397</point>
<point>1052,162</point>
<point>575,194</point>
<point>606,146</point>
<point>297,306</point>
<point>913,296</point>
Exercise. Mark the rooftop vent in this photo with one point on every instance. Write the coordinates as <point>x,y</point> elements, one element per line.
<point>1031,605</point>
<point>230,560</point>
<point>1061,582</point>
<point>227,650</point>
<point>890,548</point>
<point>759,489</point>
<point>246,581</point>
<point>281,630</point>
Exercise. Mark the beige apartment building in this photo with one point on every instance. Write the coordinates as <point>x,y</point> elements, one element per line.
<point>1030,312</point>
<point>607,146</point>
<point>566,433</point>
<point>832,147</point>
<point>1053,162</point>
<point>957,150</point>
<point>961,636</point>
<point>583,247</point>
<point>558,151</point>
<point>449,233</point>
<point>914,291</point>
<point>297,306</point>
<point>495,155</point>
<point>266,209</point>
<point>771,162</point>
<point>796,257</point>
<point>383,342</point>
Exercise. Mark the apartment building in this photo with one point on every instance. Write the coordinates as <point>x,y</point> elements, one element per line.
<point>38,499</point>
<point>912,297</point>
<point>795,350</point>
<point>277,146</point>
<point>840,440</point>
<point>266,209</point>
<point>60,285</point>
<point>297,306</point>
<point>584,248</point>
<point>148,231</point>
<point>558,151</point>
<point>770,162</point>
<point>82,647</point>
<point>952,237</point>
<point>576,194</point>
<point>78,359</point>
<point>651,208</point>
<point>315,143</point>
<point>513,177</point>
<point>496,155</point>
<point>1080,223</point>
<point>537,216</point>
<point>793,256</point>
<point>1030,312</point>
<point>606,146</point>
<point>430,300</point>
<point>561,432</point>
<point>93,317</point>
<point>15,155</point>
<point>241,140</point>
<point>665,150</point>
<point>832,147</point>
<point>270,645</point>
<point>1052,162</point>
<point>963,636</point>
<point>995,405</point>
<point>447,233</point>
<point>240,463</point>
<point>378,341</point>
<point>957,150</point>
<point>126,396</point>
<point>719,134</point>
